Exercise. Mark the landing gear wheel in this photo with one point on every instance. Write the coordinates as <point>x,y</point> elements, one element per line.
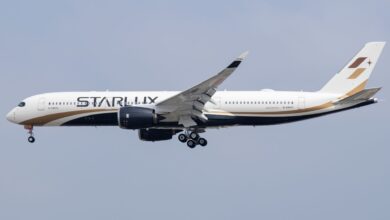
<point>30,128</point>
<point>194,136</point>
<point>202,142</point>
<point>31,139</point>
<point>182,138</point>
<point>191,143</point>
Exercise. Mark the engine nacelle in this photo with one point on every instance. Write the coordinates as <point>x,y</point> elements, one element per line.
<point>156,134</point>
<point>136,117</point>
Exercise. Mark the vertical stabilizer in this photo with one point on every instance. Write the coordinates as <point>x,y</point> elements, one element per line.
<point>354,76</point>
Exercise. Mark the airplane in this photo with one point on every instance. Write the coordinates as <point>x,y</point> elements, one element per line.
<point>159,116</point>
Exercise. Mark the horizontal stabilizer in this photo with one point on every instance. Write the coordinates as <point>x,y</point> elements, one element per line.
<point>361,96</point>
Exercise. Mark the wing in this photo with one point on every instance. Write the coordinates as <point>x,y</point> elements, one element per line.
<point>189,104</point>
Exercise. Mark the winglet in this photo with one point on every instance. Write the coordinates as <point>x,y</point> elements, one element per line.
<point>243,55</point>
<point>237,61</point>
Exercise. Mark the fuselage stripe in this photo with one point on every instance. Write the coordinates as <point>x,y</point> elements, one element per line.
<point>51,117</point>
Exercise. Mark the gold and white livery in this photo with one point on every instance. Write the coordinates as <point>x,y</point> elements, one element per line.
<point>160,115</point>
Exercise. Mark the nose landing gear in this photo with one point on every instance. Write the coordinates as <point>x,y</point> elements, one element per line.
<point>31,138</point>
<point>192,139</point>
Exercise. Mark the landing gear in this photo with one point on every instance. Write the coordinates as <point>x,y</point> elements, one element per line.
<point>31,138</point>
<point>192,139</point>
<point>202,142</point>
<point>194,135</point>
<point>182,138</point>
<point>191,143</point>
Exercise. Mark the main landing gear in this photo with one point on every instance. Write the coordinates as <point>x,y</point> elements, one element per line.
<point>31,138</point>
<point>192,139</point>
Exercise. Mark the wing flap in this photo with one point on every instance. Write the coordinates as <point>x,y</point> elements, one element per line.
<point>190,103</point>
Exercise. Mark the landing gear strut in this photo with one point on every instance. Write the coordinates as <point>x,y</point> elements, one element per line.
<point>192,139</point>
<point>31,138</point>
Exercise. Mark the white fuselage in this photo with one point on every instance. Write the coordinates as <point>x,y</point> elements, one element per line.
<point>159,115</point>
<point>56,109</point>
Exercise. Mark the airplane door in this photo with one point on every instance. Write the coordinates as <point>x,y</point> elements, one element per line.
<point>41,104</point>
<point>301,103</point>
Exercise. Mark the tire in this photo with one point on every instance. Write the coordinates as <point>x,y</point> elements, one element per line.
<point>182,138</point>
<point>194,136</point>
<point>202,142</point>
<point>31,139</point>
<point>191,143</point>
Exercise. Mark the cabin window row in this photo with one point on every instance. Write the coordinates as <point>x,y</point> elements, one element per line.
<point>62,103</point>
<point>260,102</point>
<point>75,103</point>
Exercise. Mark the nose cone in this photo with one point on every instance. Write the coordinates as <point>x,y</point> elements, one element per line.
<point>11,116</point>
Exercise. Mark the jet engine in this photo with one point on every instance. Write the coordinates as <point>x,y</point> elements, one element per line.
<point>130,117</point>
<point>156,134</point>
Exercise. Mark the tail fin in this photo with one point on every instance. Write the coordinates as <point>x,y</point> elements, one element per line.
<point>354,76</point>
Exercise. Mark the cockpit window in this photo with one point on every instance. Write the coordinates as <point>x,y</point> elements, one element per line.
<point>22,104</point>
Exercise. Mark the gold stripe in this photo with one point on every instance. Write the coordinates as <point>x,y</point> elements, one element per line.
<point>314,108</point>
<point>357,89</point>
<point>356,73</point>
<point>48,118</point>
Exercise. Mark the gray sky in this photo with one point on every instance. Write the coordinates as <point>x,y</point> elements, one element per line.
<point>334,167</point>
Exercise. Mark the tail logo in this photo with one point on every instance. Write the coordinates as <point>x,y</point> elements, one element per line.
<point>357,62</point>
<point>358,71</point>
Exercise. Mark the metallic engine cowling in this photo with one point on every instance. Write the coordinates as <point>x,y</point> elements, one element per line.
<point>130,117</point>
<point>156,134</point>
